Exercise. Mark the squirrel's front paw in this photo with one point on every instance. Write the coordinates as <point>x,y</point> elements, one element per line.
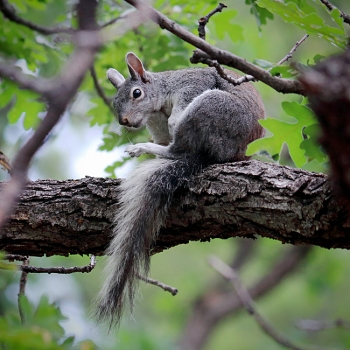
<point>135,150</point>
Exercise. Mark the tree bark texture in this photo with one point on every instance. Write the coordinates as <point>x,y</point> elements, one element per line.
<point>247,199</point>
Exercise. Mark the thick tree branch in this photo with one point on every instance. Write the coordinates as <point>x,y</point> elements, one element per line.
<point>213,53</point>
<point>246,199</point>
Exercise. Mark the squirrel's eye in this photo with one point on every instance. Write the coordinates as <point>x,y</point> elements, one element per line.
<point>136,93</point>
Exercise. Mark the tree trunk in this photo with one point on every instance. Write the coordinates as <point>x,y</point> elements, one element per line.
<point>247,199</point>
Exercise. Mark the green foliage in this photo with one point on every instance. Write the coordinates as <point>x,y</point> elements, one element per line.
<point>261,14</point>
<point>225,25</point>
<point>300,136</point>
<point>38,329</point>
<point>17,99</point>
<point>304,16</point>
<point>294,126</point>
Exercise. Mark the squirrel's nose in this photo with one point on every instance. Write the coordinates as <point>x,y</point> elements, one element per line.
<point>124,121</point>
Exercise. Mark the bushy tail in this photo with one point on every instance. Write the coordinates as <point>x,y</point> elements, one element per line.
<point>144,201</point>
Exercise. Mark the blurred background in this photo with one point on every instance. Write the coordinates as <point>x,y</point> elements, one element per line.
<point>87,142</point>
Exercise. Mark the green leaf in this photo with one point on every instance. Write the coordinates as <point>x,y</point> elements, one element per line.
<point>283,132</point>
<point>113,167</point>
<point>100,114</point>
<point>336,16</point>
<point>263,63</point>
<point>284,71</point>
<point>312,148</point>
<point>261,14</point>
<point>224,25</point>
<point>316,167</point>
<point>310,22</point>
<point>26,102</point>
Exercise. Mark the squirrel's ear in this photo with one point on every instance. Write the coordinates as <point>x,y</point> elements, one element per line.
<point>136,69</point>
<point>115,77</point>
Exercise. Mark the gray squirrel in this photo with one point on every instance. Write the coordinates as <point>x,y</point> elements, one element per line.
<point>196,119</point>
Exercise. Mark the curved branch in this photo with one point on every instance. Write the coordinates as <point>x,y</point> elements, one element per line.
<point>245,199</point>
<point>100,92</point>
<point>10,13</point>
<point>26,81</point>
<point>59,94</point>
<point>213,53</point>
<point>219,303</point>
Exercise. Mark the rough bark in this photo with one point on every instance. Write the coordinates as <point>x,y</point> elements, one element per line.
<point>247,199</point>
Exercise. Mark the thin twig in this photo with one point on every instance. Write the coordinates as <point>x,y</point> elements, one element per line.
<point>60,270</point>
<point>290,53</point>
<point>319,325</point>
<point>202,22</point>
<point>227,77</point>
<point>331,7</point>
<point>112,21</point>
<point>247,78</point>
<point>100,91</point>
<point>243,294</point>
<point>22,287</point>
<point>10,13</point>
<point>165,287</point>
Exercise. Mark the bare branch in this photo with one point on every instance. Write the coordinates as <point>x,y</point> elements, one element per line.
<point>100,91</point>
<point>204,20</point>
<point>65,87</point>
<point>165,287</point>
<point>247,78</point>
<point>331,7</point>
<point>290,53</point>
<point>41,86</point>
<point>319,325</point>
<point>208,312</point>
<point>60,270</point>
<point>243,294</point>
<point>222,73</point>
<point>22,286</point>
<point>221,56</point>
<point>10,13</point>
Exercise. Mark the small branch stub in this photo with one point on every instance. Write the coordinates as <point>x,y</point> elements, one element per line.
<point>173,291</point>
<point>204,20</point>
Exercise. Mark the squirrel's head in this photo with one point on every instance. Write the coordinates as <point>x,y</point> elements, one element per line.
<point>132,102</point>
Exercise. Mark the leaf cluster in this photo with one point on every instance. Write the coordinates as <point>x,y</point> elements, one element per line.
<point>38,328</point>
